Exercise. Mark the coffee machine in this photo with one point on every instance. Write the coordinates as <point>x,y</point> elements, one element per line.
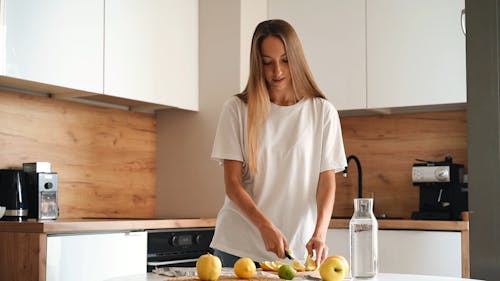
<point>443,192</point>
<point>13,195</point>
<point>42,191</point>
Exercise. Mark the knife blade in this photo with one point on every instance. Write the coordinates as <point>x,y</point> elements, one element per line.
<point>288,254</point>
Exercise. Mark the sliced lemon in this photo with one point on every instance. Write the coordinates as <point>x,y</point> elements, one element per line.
<point>277,264</point>
<point>310,264</point>
<point>267,266</point>
<point>297,265</point>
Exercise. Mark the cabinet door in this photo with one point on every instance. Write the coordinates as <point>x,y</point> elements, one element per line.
<point>415,53</point>
<point>420,252</point>
<point>55,42</point>
<point>151,51</point>
<point>333,36</point>
<point>337,241</point>
<point>96,257</point>
<point>409,252</point>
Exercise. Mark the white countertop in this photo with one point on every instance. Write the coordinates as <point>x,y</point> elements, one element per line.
<point>380,277</point>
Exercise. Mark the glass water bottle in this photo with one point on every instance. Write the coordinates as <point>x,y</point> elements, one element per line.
<point>363,238</point>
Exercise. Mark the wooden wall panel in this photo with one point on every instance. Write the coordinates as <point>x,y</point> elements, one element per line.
<point>387,146</point>
<point>105,158</point>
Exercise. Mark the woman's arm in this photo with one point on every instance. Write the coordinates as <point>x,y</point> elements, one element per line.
<point>325,197</point>
<point>274,240</point>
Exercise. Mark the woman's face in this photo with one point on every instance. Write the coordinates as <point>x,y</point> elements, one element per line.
<point>275,65</point>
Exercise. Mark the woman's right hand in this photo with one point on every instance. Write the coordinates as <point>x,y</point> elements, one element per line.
<point>274,240</point>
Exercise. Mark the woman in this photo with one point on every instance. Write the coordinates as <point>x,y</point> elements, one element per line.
<point>280,143</point>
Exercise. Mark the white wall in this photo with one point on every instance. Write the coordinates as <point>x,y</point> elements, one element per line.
<point>190,184</point>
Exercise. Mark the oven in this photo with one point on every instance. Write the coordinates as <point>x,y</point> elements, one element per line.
<point>180,247</point>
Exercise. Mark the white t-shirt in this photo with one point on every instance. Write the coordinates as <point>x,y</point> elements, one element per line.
<point>297,142</point>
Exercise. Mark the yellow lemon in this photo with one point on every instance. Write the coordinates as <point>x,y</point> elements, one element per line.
<point>297,265</point>
<point>244,268</point>
<point>286,272</point>
<point>208,267</point>
<point>267,266</point>
<point>277,265</point>
<point>310,264</point>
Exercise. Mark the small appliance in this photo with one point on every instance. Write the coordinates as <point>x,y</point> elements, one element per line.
<point>42,191</point>
<point>13,195</point>
<point>443,191</point>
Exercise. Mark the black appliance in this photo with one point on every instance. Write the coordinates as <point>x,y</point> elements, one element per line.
<point>177,247</point>
<point>443,192</point>
<point>42,185</point>
<point>13,195</point>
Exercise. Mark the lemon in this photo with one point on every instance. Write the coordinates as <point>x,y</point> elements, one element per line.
<point>277,265</point>
<point>267,266</point>
<point>244,268</point>
<point>297,265</point>
<point>286,272</point>
<point>310,264</point>
<point>208,267</point>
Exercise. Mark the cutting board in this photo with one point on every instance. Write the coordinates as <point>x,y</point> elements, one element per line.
<point>255,278</point>
<point>222,278</point>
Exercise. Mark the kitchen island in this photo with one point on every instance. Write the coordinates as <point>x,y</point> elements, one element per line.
<point>380,277</point>
<point>23,245</point>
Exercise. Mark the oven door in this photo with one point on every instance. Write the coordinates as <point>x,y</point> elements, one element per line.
<point>177,247</point>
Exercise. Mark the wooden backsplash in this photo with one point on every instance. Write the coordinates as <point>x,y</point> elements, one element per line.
<point>105,158</point>
<point>387,146</point>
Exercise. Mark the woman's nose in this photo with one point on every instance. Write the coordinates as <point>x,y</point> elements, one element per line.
<point>277,69</point>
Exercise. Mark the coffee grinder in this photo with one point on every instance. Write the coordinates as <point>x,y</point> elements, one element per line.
<point>443,192</point>
<point>42,191</point>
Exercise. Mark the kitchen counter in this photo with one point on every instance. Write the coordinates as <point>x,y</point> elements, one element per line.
<point>380,277</point>
<point>410,224</point>
<point>25,243</point>
<point>97,225</point>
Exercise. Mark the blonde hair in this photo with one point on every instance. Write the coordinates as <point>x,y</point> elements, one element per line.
<point>256,94</point>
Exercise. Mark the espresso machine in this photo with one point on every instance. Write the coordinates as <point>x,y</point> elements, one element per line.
<point>443,191</point>
<point>42,192</point>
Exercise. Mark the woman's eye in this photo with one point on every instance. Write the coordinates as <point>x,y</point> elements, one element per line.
<point>266,62</point>
<point>285,60</point>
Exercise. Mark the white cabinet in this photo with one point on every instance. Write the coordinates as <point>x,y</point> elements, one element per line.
<point>382,53</point>
<point>95,257</point>
<point>415,53</point>
<point>332,33</point>
<point>408,251</point>
<point>55,42</point>
<point>151,51</point>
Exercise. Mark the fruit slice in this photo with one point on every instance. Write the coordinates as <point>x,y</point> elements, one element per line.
<point>297,265</point>
<point>267,266</point>
<point>277,265</point>
<point>310,264</point>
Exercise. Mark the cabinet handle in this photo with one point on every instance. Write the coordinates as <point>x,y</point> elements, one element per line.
<point>462,21</point>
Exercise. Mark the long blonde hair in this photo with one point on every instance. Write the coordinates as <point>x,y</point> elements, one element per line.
<point>256,94</point>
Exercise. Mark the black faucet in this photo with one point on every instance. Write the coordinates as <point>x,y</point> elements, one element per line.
<point>360,174</point>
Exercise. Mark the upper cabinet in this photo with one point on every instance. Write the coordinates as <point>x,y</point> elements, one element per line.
<point>332,33</point>
<point>415,53</point>
<point>54,42</point>
<point>382,53</point>
<point>140,55</point>
<point>151,51</point>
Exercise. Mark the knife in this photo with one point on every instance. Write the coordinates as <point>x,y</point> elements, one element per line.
<point>288,254</point>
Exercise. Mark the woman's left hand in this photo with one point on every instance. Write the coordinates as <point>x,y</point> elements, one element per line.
<point>318,246</point>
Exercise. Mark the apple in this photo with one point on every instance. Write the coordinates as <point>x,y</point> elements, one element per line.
<point>334,268</point>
